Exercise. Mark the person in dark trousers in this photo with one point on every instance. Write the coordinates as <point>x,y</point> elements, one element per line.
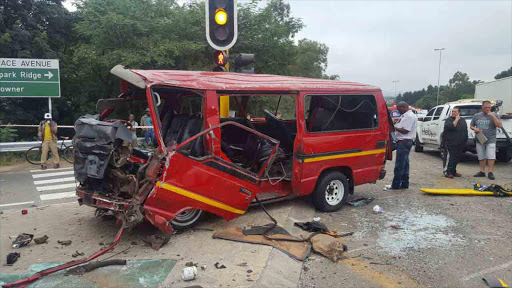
<point>455,136</point>
<point>405,132</point>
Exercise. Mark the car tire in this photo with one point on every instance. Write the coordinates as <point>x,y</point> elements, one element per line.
<point>331,192</point>
<point>417,145</point>
<point>186,219</point>
<point>504,155</point>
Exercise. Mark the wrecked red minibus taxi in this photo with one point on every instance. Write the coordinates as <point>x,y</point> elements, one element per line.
<point>284,137</point>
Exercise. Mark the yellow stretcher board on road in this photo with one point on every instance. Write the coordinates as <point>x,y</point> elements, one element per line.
<point>467,192</point>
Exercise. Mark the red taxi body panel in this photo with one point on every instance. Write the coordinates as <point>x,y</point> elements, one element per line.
<point>214,183</point>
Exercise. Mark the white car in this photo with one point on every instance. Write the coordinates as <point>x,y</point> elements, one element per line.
<point>430,128</point>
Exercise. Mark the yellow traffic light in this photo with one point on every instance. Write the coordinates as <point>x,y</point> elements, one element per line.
<point>221,17</point>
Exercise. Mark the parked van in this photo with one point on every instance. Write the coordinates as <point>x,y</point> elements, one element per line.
<point>289,137</point>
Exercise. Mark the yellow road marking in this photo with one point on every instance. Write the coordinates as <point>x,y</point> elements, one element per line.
<point>338,156</point>
<point>199,198</point>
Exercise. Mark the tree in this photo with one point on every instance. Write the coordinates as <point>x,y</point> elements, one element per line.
<point>35,29</point>
<point>143,34</point>
<point>503,74</point>
<point>459,87</point>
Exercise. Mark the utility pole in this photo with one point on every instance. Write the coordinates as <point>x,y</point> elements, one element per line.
<point>394,82</point>
<point>439,73</point>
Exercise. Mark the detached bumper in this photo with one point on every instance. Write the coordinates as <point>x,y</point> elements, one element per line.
<point>121,209</point>
<point>99,201</point>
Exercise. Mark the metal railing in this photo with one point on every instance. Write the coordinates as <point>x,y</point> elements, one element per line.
<point>24,146</point>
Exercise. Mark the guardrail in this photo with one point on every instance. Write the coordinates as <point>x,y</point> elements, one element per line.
<point>24,146</point>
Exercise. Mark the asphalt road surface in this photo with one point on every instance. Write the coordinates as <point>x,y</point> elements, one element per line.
<point>418,241</point>
<point>421,240</point>
<point>25,185</point>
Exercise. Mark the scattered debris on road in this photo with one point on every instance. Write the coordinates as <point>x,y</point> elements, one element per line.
<point>81,270</point>
<point>156,241</point>
<point>41,240</point>
<point>377,209</point>
<point>76,254</point>
<point>359,201</point>
<point>191,264</point>
<point>495,282</point>
<point>21,240</point>
<point>12,258</point>
<point>189,273</point>
<point>397,227</point>
<point>24,212</point>
<point>330,247</point>
<point>314,226</point>
<point>64,242</point>
<point>219,266</point>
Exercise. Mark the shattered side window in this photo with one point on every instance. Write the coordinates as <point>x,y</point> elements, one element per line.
<point>340,112</point>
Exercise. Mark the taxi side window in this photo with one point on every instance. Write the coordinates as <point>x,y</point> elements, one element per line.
<point>429,115</point>
<point>340,112</point>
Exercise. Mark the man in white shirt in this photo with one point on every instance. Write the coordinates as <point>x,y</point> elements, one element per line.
<point>405,133</point>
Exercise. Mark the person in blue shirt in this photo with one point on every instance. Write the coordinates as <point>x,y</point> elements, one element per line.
<point>149,133</point>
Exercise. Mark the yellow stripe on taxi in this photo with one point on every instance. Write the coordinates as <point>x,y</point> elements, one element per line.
<point>199,198</point>
<point>347,155</point>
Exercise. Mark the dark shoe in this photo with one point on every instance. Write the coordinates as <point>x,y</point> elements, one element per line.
<point>491,176</point>
<point>479,174</point>
<point>56,166</point>
<point>457,174</point>
<point>449,176</point>
<point>43,167</point>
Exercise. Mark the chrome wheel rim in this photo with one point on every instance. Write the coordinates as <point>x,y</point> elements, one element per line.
<point>187,217</point>
<point>334,192</point>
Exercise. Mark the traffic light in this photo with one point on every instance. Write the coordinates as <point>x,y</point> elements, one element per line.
<point>242,60</point>
<point>221,60</point>
<point>221,23</point>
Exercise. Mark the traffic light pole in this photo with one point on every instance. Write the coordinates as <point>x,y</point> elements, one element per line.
<point>224,100</point>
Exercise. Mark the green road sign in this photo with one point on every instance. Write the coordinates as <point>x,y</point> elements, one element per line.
<point>29,77</point>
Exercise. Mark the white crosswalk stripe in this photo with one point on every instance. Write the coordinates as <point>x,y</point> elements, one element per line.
<point>54,196</point>
<point>57,180</point>
<point>55,185</point>
<point>51,174</point>
<point>58,169</point>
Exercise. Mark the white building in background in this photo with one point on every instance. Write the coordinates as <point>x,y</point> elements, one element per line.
<point>500,89</point>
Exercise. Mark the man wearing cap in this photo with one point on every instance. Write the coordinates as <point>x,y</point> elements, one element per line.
<point>47,133</point>
<point>149,134</point>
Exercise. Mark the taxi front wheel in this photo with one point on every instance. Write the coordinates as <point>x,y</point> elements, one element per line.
<point>331,191</point>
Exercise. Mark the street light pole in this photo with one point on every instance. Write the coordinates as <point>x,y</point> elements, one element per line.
<point>439,73</point>
<point>394,82</point>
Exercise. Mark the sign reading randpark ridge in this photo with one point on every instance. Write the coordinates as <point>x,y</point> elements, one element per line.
<point>29,77</point>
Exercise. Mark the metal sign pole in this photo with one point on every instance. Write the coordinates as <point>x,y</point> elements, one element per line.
<point>50,105</point>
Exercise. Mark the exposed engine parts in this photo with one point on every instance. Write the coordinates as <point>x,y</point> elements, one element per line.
<point>131,173</point>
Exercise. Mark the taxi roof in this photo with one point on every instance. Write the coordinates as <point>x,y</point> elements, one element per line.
<point>235,81</point>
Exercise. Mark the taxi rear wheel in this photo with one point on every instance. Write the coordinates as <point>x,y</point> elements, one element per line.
<point>331,191</point>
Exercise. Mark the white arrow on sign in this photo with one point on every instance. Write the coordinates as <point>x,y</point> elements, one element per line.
<point>49,75</point>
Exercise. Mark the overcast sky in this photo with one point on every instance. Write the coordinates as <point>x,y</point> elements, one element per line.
<point>382,41</point>
<point>378,42</point>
